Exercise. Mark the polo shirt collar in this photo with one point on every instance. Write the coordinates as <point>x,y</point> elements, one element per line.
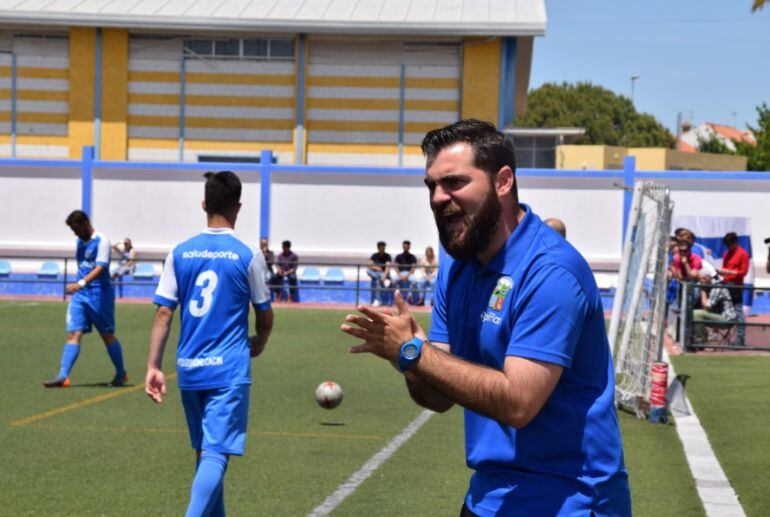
<point>510,255</point>
<point>219,231</point>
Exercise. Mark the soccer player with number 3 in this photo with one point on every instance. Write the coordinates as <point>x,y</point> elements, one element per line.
<point>212,277</point>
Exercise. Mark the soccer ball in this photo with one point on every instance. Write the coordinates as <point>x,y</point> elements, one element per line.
<point>328,395</point>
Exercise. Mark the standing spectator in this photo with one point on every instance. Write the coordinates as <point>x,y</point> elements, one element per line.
<point>286,267</point>
<point>735,266</point>
<point>379,272</point>
<point>686,264</point>
<point>126,260</point>
<point>697,248</point>
<point>429,264</point>
<point>407,265</point>
<point>268,253</point>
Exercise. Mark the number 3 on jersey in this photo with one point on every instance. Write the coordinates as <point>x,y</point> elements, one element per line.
<point>208,282</point>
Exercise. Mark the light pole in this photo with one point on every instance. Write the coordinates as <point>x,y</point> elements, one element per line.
<point>633,82</point>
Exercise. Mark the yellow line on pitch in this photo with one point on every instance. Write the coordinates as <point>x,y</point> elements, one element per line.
<point>273,434</point>
<point>82,403</point>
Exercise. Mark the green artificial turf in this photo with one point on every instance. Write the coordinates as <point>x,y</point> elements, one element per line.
<point>731,396</point>
<point>95,450</point>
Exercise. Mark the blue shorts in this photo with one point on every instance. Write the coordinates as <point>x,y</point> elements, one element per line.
<point>84,312</point>
<point>217,418</point>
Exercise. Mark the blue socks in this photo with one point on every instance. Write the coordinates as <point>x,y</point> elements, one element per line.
<point>207,493</point>
<point>116,355</point>
<point>68,357</point>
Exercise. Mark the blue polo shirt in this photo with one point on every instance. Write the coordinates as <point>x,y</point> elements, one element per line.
<point>537,299</point>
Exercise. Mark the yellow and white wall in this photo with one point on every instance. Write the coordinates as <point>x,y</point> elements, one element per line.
<point>363,101</point>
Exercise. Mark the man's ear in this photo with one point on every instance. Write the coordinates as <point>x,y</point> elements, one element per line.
<point>203,205</point>
<point>504,181</point>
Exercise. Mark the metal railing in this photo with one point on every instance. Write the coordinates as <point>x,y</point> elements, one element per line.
<point>362,283</point>
<point>698,331</point>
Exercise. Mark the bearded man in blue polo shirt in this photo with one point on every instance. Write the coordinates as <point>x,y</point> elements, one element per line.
<point>517,338</point>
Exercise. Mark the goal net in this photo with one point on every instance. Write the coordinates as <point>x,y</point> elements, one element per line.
<point>639,309</point>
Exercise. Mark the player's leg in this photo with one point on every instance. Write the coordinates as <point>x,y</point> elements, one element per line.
<point>77,324</point>
<point>102,313</point>
<point>224,422</point>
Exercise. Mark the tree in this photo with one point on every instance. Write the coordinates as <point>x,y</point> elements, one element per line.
<point>712,144</point>
<point>758,155</point>
<point>758,4</point>
<point>607,117</point>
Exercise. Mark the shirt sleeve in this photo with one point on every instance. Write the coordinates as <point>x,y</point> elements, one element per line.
<point>259,292</point>
<point>743,265</point>
<point>103,251</point>
<point>550,317</point>
<point>166,293</point>
<point>439,332</point>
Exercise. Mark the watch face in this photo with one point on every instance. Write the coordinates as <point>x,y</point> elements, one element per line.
<point>410,351</point>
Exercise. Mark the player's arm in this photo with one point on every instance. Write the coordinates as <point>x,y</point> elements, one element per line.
<point>80,284</point>
<point>155,383</point>
<point>260,300</point>
<point>166,300</point>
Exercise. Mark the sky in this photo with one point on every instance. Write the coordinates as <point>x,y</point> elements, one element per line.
<point>708,59</point>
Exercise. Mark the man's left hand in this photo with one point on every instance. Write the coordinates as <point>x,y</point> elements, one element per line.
<point>73,288</point>
<point>383,332</point>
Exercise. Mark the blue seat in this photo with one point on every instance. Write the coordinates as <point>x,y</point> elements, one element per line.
<point>49,269</point>
<point>144,271</point>
<point>334,276</point>
<point>5,268</point>
<point>310,275</point>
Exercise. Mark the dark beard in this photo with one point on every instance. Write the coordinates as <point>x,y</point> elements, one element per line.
<point>479,228</point>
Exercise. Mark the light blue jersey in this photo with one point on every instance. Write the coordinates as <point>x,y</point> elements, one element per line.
<point>213,277</point>
<point>93,304</point>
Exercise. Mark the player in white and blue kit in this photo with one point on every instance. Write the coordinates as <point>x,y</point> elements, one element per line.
<point>212,277</point>
<point>92,303</point>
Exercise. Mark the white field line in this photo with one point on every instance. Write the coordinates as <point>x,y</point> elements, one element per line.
<point>714,489</point>
<point>352,483</point>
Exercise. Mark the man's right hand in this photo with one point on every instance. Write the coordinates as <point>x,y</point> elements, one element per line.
<point>155,385</point>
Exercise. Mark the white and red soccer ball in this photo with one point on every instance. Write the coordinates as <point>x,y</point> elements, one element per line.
<point>328,395</point>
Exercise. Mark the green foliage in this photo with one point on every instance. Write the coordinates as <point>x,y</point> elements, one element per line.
<point>758,155</point>
<point>607,117</point>
<point>712,144</point>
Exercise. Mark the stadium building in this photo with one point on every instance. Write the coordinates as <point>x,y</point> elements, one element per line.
<point>318,82</point>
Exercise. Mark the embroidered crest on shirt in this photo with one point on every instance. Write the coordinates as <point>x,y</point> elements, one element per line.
<point>504,285</point>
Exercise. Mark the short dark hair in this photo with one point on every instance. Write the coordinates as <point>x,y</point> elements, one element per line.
<point>492,150</point>
<point>406,242</point>
<point>223,192</point>
<point>730,238</point>
<point>77,217</point>
<point>381,243</point>
<point>286,243</point>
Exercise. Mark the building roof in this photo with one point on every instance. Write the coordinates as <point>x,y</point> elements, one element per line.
<point>392,17</point>
<point>732,133</point>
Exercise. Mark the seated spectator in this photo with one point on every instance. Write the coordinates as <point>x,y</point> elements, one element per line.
<point>269,257</point>
<point>126,260</point>
<point>407,265</point>
<point>557,225</point>
<point>716,306</point>
<point>735,266</point>
<point>286,268</point>
<point>429,265</point>
<point>379,272</point>
<point>685,264</point>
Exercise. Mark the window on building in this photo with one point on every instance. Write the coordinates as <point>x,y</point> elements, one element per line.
<point>270,49</point>
<point>535,152</point>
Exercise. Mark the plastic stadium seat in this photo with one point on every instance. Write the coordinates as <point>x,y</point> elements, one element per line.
<point>5,268</point>
<point>334,275</point>
<point>49,269</point>
<point>310,275</point>
<point>144,270</point>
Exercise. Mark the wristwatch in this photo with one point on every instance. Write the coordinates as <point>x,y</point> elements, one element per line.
<point>410,353</point>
